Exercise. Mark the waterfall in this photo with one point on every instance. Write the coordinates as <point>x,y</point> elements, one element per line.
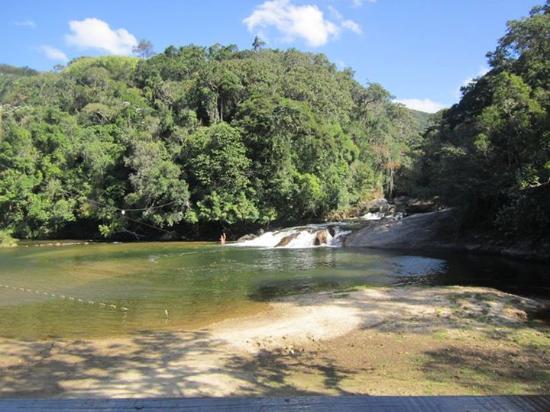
<point>373,216</point>
<point>322,235</point>
<point>268,239</point>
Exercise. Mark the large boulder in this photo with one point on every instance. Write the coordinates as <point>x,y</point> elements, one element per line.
<point>412,232</point>
<point>321,237</point>
<point>377,205</point>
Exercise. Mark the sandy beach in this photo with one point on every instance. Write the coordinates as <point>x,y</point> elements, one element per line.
<point>443,340</point>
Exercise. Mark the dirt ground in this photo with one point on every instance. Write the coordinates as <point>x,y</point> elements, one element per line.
<point>408,341</point>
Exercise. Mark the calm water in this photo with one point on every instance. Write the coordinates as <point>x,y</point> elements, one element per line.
<point>116,289</point>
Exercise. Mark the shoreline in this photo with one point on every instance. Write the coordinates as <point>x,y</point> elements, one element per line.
<point>301,345</point>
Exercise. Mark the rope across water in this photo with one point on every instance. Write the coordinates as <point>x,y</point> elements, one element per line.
<point>64,297</point>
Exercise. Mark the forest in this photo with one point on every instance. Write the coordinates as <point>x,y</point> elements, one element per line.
<point>489,155</point>
<point>194,140</point>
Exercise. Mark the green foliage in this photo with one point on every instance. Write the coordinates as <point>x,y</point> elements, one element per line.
<point>217,167</point>
<point>192,136</point>
<point>117,67</point>
<point>489,153</point>
<point>6,240</point>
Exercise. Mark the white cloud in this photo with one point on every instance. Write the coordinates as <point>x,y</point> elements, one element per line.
<point>422,105</point>
<point>353,26</point>
<point>306,22</point>
<point>53,53</point>
<point>26,23</point>
<point>359,3</point>
<point>92,33</point>
<point>345,23</point>
<point>481,72</point>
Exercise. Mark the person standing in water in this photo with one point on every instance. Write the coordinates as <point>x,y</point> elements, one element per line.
<point>223,238</point>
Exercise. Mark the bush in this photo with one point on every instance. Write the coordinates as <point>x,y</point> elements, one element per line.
<point>6,240</point>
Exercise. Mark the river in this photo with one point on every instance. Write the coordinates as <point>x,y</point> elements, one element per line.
<point>106,289</point>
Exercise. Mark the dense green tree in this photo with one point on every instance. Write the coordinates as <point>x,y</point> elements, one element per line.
<point>217,169</point>
<point>490,153</point>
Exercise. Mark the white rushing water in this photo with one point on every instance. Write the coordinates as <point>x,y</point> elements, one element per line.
<point>299,237</point>
<point>373,216</point>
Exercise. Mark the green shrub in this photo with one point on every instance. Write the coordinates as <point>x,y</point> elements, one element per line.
<point>6,240</point>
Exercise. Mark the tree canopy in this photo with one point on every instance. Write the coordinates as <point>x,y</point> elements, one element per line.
<point>194,135</point>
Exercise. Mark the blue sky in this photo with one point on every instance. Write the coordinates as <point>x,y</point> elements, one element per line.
<point>422,51</point>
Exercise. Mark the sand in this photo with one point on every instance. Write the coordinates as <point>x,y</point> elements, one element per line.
<point>442,340</point>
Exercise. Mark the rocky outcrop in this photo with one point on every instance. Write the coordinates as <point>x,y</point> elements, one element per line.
<point>377,205</point>
<point>411,205</point>
<point>437,231</point>
<point>321,237</point>
<point>412,232</point>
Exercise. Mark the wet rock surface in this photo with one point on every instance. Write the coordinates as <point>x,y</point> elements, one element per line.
<point>287,239</point>
<point>437,230</point>
<point>321,237</point>
<point>410,232</point>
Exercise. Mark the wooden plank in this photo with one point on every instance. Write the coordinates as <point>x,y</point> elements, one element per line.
<point>308,403</point>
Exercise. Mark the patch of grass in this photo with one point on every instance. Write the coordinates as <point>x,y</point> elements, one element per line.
<point>440,335</point>
<point>531,337</point>
<point>6,240</point>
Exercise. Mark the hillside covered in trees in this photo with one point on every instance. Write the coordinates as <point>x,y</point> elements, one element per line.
<point>489,155</point>
<point>192,139</point>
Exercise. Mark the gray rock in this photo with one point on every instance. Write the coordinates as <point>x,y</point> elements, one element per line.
<point>244,238</point>
<point>420,206</point>
<point>377,205</point>
<point>411,232</point>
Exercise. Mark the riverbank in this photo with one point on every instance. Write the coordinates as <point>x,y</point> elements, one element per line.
<point>444,340</point>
